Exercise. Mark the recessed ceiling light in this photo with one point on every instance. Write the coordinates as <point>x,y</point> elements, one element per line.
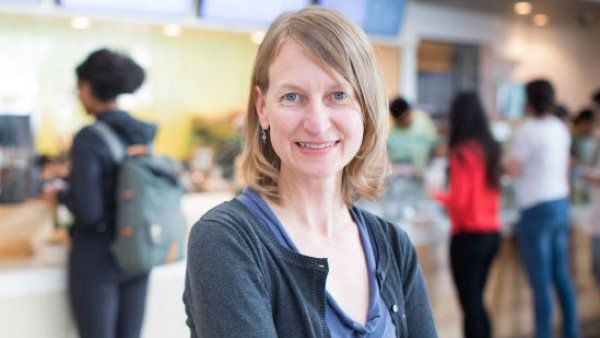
<point>540,20</point>
<point>81,22</point>
<point>172,30</point>
<point>522,7</point>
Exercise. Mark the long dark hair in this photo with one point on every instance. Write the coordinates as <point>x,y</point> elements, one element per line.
<point>469,122</point>
<point>110,74</point>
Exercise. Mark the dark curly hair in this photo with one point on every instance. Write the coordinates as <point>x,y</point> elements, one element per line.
<point>540,96</point>
<point>110,74</point>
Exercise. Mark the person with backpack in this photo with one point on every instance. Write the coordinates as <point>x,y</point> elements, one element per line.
<point>473,205</point>
<point>107,302</point>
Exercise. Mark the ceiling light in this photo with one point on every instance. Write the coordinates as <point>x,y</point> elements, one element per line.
<point>540,20</point>
<point>172,30</point>
<point>257,37</point>
<point>81,22</point>
<point>522,7</point>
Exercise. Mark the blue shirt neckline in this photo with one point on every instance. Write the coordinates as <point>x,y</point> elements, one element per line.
<point>252,199</point>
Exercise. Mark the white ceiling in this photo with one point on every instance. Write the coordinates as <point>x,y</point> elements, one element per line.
<point>559,11</point>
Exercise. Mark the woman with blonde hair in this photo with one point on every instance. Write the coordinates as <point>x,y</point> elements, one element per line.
<point>291,256</point>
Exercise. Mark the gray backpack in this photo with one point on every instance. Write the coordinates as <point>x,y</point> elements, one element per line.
<point>150,226</point>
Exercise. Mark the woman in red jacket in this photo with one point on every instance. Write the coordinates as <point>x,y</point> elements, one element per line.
<point>472,202</point>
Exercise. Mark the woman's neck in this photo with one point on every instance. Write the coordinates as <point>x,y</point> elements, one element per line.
<point>101,107</point>
<point>316,205</point>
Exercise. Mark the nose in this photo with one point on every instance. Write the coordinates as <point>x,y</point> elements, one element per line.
<point>316,119</point>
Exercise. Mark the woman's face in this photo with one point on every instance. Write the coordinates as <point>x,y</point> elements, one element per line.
<point>314,121</point>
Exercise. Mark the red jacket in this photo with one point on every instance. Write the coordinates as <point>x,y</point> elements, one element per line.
<point>471,204</point>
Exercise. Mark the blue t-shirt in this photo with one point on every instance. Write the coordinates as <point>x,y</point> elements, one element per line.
<point>379,323</point>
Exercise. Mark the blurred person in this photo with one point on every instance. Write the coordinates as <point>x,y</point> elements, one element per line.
<point>561,112</point>
<point>473,204</point>
<point>582,153</point>
<point>411,139</point>
<point>596,102</point>
<point>291,256</point>
<point>592,176</point>
<point>539,161</point>
<point>106,302</point>
<point>583,126</point>
<point>582,130</point>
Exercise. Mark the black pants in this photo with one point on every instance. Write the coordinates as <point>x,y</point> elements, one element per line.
<point>471,255</point>
<point>106,303</point>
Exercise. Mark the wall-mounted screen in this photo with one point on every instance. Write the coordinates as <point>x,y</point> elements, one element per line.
<point>510,99</point>
<point>354,10</point>
<point>261,12</point>
<point>376,17</point>
<point>170,7</point>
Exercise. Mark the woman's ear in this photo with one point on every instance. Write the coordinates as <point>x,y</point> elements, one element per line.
<point>260,108</point>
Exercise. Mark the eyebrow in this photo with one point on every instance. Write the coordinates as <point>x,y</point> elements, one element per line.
<point>337,86</point>
<point>288,86</point>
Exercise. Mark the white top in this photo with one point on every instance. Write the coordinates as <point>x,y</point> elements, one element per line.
<point>542,146</point>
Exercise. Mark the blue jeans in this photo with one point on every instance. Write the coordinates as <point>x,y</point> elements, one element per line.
<point>543,236</point>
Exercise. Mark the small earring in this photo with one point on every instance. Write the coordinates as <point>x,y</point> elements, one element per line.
<point>263,135</point>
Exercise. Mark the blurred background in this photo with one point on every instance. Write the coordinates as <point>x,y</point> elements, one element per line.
<point>198,57</point>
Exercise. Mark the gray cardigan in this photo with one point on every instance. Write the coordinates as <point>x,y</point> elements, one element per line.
<point>240,282</point>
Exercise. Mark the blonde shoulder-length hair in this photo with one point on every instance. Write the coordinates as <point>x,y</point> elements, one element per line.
<point>335,44</point>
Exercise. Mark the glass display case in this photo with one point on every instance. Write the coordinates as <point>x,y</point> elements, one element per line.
<point>406,204</point>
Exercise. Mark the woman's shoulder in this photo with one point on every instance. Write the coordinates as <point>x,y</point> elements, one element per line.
<point>86,136</point>
<point>227,221</point>
<point>384,230</point>
<point>88,143</point>
<point>225,212</point>
<point>467,150</point>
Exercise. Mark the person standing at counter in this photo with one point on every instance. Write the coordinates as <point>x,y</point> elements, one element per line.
<point>291,256</point>
<point>412,139</point>
<point>539,161</point>
<point>592,175</point>
<point>106,302</point>
<point>473,205</point>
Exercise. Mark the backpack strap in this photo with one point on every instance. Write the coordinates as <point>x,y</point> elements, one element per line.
<point>117,149</point>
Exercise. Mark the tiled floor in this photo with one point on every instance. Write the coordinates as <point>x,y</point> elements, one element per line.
<point>507,295</point>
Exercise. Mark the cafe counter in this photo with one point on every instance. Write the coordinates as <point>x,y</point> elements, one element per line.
<point>33,288</point>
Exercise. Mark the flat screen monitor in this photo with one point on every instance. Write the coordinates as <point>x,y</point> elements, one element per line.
<point>510,99</point>
<point>259,12</point>
<point>170,7</point>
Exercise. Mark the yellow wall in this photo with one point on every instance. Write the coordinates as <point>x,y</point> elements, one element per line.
<point>200,73</point>
<point>197,73</point>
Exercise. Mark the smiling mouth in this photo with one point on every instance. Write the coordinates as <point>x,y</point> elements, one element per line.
<point>317,146</point>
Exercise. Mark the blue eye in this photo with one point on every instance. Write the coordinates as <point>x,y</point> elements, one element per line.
<point>339,96</point>
<point>290,97</point>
